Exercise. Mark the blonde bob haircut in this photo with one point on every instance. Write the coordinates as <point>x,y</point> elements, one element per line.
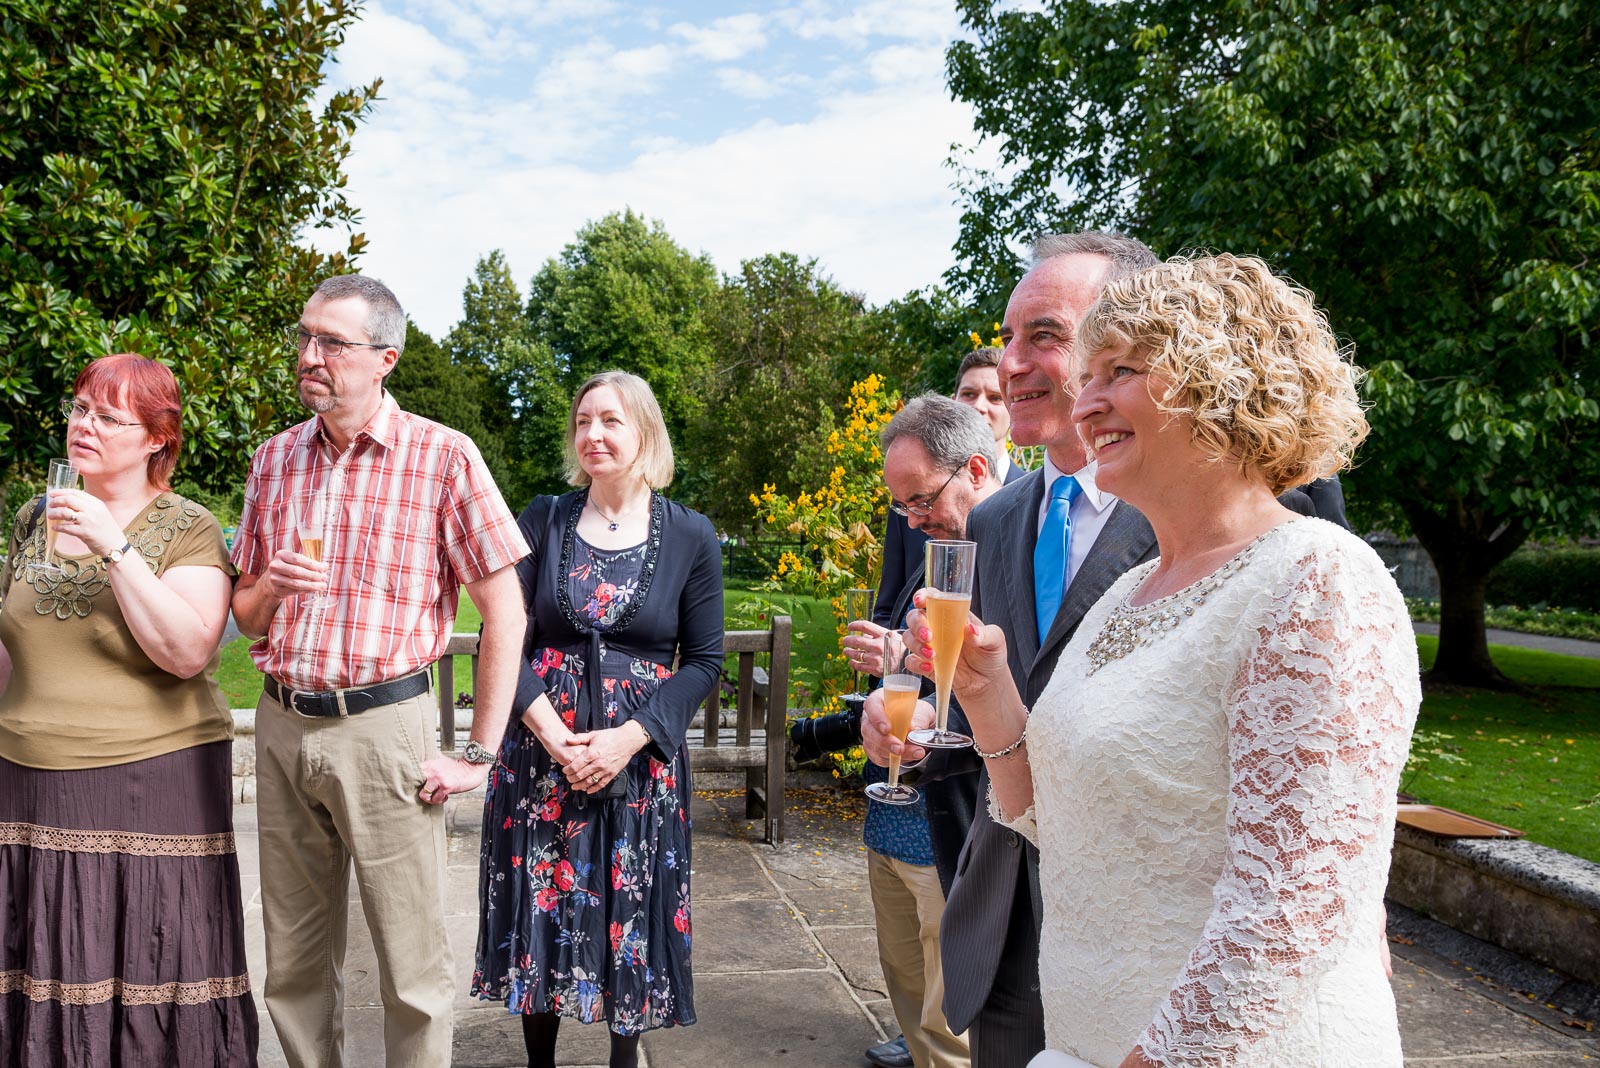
<point>1250,359</point>
<point>654,462</point>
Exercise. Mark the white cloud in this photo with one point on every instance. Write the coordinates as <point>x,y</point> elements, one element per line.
<point>907,65</point>
<point>381,43</point>
<point>922,20</point>
<point>446,171</point>
<point>725,39</point>
<point>746,83</point>
<point>597,73</point>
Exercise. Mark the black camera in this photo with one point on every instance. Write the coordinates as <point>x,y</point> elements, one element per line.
<point>812,738</point>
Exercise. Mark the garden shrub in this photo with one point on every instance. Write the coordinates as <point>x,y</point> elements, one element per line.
<point>1568,578</point>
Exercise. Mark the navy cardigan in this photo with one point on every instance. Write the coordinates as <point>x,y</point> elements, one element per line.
<point>678,610</point>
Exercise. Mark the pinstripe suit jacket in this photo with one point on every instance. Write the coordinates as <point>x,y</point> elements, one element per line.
<point>979,905</point>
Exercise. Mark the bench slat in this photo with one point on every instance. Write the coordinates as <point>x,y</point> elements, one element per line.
<point>761,717</point>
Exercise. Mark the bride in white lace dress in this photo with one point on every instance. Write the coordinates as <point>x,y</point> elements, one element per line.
<point>1210,775</point>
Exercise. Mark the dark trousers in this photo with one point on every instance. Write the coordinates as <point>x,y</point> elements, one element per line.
<point>1009,1029</point>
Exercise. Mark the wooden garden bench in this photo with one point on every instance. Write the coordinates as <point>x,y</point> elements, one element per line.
<point>753,738</point>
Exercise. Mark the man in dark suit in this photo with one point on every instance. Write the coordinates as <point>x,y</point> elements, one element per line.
<point>992,913</point>
<point>978,387</point>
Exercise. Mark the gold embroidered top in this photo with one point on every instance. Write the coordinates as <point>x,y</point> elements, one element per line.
<point>82,693</point>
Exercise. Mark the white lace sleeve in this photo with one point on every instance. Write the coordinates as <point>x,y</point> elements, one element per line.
<point>1320,715</point>
<point>1023,824</point>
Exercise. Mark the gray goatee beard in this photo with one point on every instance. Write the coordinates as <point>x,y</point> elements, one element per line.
<point>321,403</point>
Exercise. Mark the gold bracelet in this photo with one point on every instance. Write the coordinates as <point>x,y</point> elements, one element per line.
<point>1008,750</point>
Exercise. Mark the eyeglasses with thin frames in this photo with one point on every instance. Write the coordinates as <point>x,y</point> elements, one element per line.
<point>328,346</point>
<point>922,508</point>
<point>108,425</point>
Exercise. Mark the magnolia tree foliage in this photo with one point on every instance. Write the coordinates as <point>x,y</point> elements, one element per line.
<point>1431,171</point>
<point>157,163</point>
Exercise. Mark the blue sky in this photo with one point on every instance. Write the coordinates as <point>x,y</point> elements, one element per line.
<point>818,127</point>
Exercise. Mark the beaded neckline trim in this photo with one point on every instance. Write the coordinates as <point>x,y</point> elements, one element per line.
<point>646,575</point>
<point>1129,628</point>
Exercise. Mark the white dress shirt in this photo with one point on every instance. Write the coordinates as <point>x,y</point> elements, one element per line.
<point>1089,513</point>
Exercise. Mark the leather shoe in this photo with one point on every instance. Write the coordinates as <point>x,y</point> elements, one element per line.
<point>891,1054</point>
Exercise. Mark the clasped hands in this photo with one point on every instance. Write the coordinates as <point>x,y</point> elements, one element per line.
<point>981,667</point>
<point>591,759</point>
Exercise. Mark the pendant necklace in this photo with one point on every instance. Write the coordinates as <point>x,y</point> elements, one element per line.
<point>611,524</point>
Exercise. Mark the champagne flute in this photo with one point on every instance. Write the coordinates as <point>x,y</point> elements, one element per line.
<point>900,690</point>
<point>310,525</point>
<point>950,566</point>
<point>857,605</point>
<point>63,475</point>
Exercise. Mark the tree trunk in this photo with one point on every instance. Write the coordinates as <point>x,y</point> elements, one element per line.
<point>1464,554</point>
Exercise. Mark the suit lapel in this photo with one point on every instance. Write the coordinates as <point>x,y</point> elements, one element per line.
<point>1123,542</point>
<point>902,604</point>
<point>1016,574</point>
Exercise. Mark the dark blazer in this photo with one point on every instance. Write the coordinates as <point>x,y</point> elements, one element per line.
<point>680,611</point>
<point>1323,498</point>
<point>903,551</point>
<point>979,908</point>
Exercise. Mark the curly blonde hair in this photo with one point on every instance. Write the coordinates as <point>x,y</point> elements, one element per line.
<point>1251,359</point>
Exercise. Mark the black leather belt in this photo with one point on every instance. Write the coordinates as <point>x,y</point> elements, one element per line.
<point>347,702</point>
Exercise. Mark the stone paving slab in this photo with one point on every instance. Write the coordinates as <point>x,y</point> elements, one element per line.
<point>786,970</point>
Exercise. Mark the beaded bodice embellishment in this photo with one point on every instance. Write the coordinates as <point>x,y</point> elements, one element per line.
<point>569,537</point>
<point>71,594</point>
<point>1128,628</point>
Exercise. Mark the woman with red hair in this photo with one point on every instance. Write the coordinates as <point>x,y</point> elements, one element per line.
<point>124,937</point>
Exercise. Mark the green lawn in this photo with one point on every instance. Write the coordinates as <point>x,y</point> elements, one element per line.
<point>1532,761</point>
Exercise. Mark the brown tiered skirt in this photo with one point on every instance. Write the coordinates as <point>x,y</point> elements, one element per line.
<point>121,921</point>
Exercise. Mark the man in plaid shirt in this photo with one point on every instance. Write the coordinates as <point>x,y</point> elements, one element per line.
<point>359,526</point>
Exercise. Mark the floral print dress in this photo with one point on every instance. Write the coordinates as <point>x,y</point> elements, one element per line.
<point>585,900</point>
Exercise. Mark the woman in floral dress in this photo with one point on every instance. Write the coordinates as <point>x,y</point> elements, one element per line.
<point>584,881</point>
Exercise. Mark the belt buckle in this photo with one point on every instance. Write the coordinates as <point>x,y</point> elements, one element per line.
<point>295,695</point>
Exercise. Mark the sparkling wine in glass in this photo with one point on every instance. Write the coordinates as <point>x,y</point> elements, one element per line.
<point>857,605</point>
<point>950,566</point>
<point>311,527</point>
<point>900,689</point>
<point>62,476</point>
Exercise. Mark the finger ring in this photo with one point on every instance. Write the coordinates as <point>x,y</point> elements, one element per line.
<point>595,777</point>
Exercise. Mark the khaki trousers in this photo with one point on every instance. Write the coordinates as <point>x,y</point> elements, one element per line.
<point>907,902</point>
<point>330,792</point>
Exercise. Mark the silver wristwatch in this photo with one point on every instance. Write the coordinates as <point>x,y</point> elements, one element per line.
<point>474,753</point>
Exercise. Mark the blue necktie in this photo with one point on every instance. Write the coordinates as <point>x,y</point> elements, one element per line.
<point>1050,554</point>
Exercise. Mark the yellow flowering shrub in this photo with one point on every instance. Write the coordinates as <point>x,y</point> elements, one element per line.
<point>841,523</point>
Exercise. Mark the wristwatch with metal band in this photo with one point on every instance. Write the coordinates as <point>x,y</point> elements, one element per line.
<point>474,753</point>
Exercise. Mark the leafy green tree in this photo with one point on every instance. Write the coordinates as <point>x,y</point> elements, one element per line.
<point>923,337</point>
<point>1431,171</point>
<point>426,382</point>
<point>622,296</point>
<point>158,163</point>
<point>489,347</point>
<point>786,341</point>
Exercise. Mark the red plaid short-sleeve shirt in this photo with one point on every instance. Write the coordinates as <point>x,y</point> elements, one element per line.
<point>412,514</point>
